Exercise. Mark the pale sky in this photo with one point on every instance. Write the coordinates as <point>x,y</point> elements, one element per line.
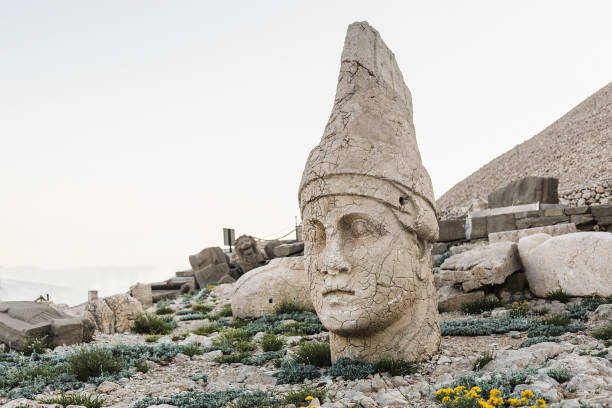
<point>132,132</point>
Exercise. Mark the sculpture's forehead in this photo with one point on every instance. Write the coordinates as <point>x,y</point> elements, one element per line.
<point>331,208</point>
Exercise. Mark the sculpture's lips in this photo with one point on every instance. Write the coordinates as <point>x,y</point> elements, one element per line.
<point>338,291</point>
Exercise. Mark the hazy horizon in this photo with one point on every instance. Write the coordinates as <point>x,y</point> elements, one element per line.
<point>131,133</point>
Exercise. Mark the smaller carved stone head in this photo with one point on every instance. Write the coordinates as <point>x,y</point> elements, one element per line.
<point>248,252</point>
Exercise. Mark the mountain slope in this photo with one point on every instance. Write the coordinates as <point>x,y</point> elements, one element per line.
<point>577,149</point>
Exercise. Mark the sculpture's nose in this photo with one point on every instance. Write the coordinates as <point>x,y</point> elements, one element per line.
<point>333,261</point>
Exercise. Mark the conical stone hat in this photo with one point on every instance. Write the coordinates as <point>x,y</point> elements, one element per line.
<point>369,146</point>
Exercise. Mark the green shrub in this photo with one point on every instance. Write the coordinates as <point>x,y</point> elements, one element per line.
<point>540,339</point>
<point>483,361</point>
<point>238,323</point>
<point>91,362</point>
<point>216,399</point>
<point>558,295</point>
<point>35,345</point>
<point>298,397</point>
<point>556,320</point>
<point>185,312</point>
<point>191,350</point>
<point>270,342</point>
<point>206,329</point>
<point>293,372</point>
<point>164,310</point>
<point>259,359</point>
<point>486,382</point>
<point>351,369</point>
<point>254,399</point>
<point>83,399</point>
<point>152,338</point>
<point>202,377</point>
<point>315,353</point>
<point>179,337</point>
<point>561,374</point>
<point>288,307</point>
<point>480,305</point>
<point>226,311</point>
<point>298,328</point>
<point>482,327</point>
<point>605,333</point>
<point>141,366</point>
<point>395,367</point>
<point>150,324</point>
<point>272,323</point>
<point>201,307</point>
<point>232,358</point>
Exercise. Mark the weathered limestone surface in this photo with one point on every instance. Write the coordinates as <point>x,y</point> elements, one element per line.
<point>114,314</point>
<point>207,256</point>
<point>368,214</point>
<point>580,263</point>
<point>450,298</point>
<point>142,292</point>
<point>211,274</point>
<point>249,254</point>
<point>21,320</point>
<point>516,235</point>
<point>473,269</point>
<point>288,249</point>
<point>261,290</point>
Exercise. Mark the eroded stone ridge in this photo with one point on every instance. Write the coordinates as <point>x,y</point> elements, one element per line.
<point>368,213</point>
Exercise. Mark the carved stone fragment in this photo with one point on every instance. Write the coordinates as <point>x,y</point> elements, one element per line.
<point>249,254</point>
<point>368,214</point>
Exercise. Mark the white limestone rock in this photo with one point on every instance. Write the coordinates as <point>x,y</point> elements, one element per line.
<point>580,264</point>
<point>473,269</point>
<point>259,291</point>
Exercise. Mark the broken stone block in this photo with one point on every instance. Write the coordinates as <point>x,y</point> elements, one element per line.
<point>482,266</point>
<point>501,222</point>
<point>249,254</point>
<point>22,320</point>
<point>525,191</point>
<point>451,230</point>
<point>516,235</point>
<point>211,274</point>
<point>288,249</point>
<point>578,263</point>
<point>259,291</point>
<point>207,256</point>
<point>451,299</point>
<point>143,293</point>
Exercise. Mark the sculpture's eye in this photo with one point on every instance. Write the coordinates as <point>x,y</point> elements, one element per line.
<point>361,228</point>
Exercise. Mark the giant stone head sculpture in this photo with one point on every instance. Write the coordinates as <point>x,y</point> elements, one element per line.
<point>368,214</point>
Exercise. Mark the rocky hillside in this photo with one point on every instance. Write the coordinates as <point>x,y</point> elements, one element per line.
<point>577,149</point>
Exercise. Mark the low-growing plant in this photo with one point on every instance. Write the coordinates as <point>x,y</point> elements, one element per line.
<point>351,369</point>
<point>298,396</point>
<point>35,345</point>
<point>556,320</point>
<point>538,330</point>
<point>298,328</point>
<point>164,310</point>
<point>561,374</point>
<point>232,358</point>
<point>294,372</point>
<point>482,327</point>
<point>558,295</point>
<point>199,377</point>
<point>395,367</point>
<point>201,308</point>
<point>270,342</point>
<point>464,397</point>
<point>483,361</point>
<point>152,338</point>
<point>193,316</point>
<point>255,399</point>
<point>288,307</point>
<point>206,329</point>
<point>226,310</point>
<point>191,350</point>
<point>493,380</point>
<point>481,305</point>
<point>141,366</point>
<point>540,339</point>
<point>215,399</point>
<point>604,333</point>
<point>238,323</point>
<point>80,399</point>
<point>518,309</point>
<point>179,337</point>
<point>91,362</point>
<point>316,353</point>
<point>150,324</point>
<point>259,359</point>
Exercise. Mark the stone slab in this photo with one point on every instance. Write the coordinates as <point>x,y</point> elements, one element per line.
<point>211,274</point>
<point>516,235</point>
<point>582,219</point>
<point>185,274</point>
<point>451,230</point>
<point>501,222</point>
<point>476,228</point>
<point>288,249</point>
<point>524,223</point>
<point>525,191</point>
<point>451,299</point>
<point>585,209</point>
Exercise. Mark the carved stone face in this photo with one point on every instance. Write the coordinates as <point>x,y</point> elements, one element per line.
<point>362,263</point>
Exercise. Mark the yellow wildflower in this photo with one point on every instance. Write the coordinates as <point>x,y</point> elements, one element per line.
<point>445,399</point>
<point>476,389</point>
<point>541,401</point>
<point>527,394</point>
<point>495,392</point>
<point>457,400</point>
<point>309,398</point>
<point>513,402</point>
<point>484,404</point>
